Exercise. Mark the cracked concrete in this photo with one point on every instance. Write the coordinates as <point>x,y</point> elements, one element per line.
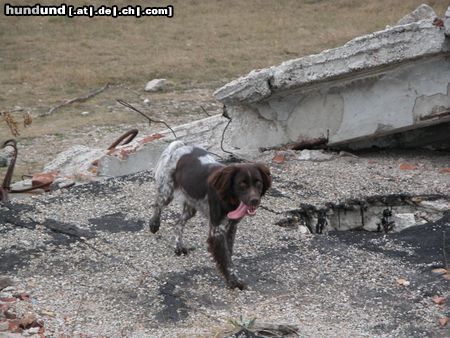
<point>378,84</point>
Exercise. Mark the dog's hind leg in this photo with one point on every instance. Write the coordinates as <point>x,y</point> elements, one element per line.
<point>164,182</point>
<point>188,213</point>
<point>155,220</point>
<point>164,196</point>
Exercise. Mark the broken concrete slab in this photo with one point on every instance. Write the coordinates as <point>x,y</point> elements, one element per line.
<point>81,164</point>
<point>378,84</point>
<point>143,153</point>
<point>391,213</point>
<point>75,161</point>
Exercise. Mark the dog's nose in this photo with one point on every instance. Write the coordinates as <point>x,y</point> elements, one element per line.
<point>254,202</point>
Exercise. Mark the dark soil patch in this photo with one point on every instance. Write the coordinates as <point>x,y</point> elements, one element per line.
<point>115,223</point>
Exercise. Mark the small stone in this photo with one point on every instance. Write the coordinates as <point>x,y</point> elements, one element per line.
<point>147,102</point>
<point>439,271</point>
<point>403,282</point>
<point>315,155</point>
<point>85,113</point>
<point>155,85</point>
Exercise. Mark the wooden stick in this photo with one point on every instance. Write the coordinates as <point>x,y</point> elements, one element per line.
<point>76,99</point>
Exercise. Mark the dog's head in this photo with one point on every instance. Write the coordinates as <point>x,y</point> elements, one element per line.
<point>241,185</point>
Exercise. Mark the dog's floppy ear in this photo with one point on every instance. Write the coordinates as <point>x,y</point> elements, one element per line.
<point>266,177</point>
<point>221,181</point>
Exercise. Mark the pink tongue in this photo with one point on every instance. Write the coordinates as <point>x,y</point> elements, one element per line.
<point>240,212</point>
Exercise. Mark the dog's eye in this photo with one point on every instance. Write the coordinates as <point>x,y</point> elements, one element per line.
<point>258,183</point>
<point>243,185</point>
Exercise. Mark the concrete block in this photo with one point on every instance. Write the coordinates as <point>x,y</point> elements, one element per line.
<point>378,84</point>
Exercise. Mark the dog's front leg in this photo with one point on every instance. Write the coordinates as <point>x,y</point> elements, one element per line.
<point>220,247</point>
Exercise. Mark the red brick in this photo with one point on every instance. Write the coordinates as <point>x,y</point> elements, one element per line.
<point>407,166</point>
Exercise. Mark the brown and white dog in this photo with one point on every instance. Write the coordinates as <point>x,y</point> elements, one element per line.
<point>223,193</point>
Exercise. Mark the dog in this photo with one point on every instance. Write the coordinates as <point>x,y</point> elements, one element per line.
<point>223,193</point>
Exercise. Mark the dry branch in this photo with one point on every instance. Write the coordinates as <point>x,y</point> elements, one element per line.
<point>77,99</point>
<point>150,120</point>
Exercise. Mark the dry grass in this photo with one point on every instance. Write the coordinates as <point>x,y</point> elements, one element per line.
<point>48,58</point>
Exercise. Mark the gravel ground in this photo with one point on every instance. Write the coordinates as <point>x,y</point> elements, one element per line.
<point>120,280</point>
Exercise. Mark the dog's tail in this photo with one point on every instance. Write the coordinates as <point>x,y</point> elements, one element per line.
<point>163,167</point>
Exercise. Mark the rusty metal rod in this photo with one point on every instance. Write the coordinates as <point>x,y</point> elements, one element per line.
<point>126,138</point>
<point>5,188</point>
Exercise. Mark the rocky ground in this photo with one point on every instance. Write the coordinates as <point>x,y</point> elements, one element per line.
<point>81,262</point>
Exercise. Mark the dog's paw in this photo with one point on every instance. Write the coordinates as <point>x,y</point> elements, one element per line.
<point>154,225</point>
<point>181,250</point>
<point>236,283</point>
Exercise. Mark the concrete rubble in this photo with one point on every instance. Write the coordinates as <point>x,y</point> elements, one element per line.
<point>383,83</point>
<point>83,262</point>
<point>388,88</point>
<point>144,152</point>
<point>82,164</point>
